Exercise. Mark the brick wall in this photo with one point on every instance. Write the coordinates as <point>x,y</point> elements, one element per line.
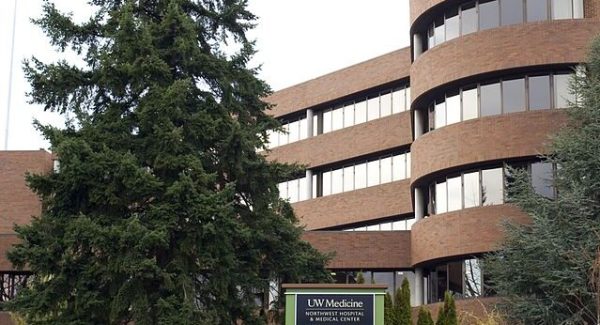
<point>363,249</point>
<point>484,139</point>
<point>462,232</point>
<point>356,206</point>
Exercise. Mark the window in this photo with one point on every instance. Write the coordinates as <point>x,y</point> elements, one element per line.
<point>539,92</point>
<point>577,9</point>
<point>440,114</point>
<point>562,95</point>
<point>453,108</point>
<point>511,12</point>
<point>469,18</point>
<point>490,100</point>
<point>492,184</point>
<point>337,119</point>
<point>513,95</point>
<point>360,176</point>
<point>386,170</point>
<point>386,104</point>
<point>489,15</point>
<point>454,194</point>
<point>452,24</point>
<point>473,278</point>
<point>541,179</point>
<point>360,112</point>
<point>327,121</point>
<point>439,31</point>
<point>326,186</point>
<point>399,101</point>
<point>373,173</point>
<point>399,165</point>
<point>294,131</point>
<point>562,9</point>
<point>537,10</point>
<point>471,189</point>
<point>337,181</point>
<point>469,104</point>
<point>348,178</point>
<point>373,108</point>
<point>349,115</point>
<point>441,202</point>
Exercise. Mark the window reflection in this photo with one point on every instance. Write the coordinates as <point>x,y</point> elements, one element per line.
<point>463,278</point>
<point>501,97</point>
<point>492,181</point>
<point>486,14</point>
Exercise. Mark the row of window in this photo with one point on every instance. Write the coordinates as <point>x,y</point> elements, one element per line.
<point>463,278</point>
<point>351,177</point>
<point>485,14</point>
<point>357,112</point>
<point>396,225</point>
<point>349,114</point>
<point>484,187</point>
<point>532,92</point>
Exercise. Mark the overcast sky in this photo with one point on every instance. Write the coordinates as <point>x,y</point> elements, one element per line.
<point>297,40</point>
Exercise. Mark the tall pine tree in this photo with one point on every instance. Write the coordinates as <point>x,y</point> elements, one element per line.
<point>544,269</point>
<point>162,212</point>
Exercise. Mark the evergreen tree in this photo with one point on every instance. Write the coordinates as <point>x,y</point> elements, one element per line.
<point>424,317</point>
<point>163,212</point>
<point>389,314</point>
<point>447,314</point>
<point>403,304</point>
<point>543,269</point>
<point>360,278</point>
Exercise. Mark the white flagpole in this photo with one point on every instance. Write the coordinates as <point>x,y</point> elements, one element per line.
<point>10,76</point>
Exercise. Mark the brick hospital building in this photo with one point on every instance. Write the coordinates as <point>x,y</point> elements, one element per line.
<point>406,152</point>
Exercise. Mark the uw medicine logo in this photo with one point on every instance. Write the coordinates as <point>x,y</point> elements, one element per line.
<point>332,309</point>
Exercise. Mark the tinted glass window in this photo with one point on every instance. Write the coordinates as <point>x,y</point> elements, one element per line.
<point>471,189</point>
<point>441,204</point>
<point>440,115</point>
<point>454,194</point>
<point>469,104</point>
<point>469,19</point>
<point>492,186</point>
<point>541,179</point>
<point>562,9</point>
<point>453,109</point>
<point>489,15</point>
<point>455,277</point>
<point>539,92</point>
<point>511,12</point>
<point>452,24</point>
<point>490,100</point>
<point>513,95</point>
<point>537,10</point>
<point>562,95</point>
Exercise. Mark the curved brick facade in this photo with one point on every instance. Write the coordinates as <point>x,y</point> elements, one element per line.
<point>484,139</point>
<point>502,48</point>
<point>459,233</point>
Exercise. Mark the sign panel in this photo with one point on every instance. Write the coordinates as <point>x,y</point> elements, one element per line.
<point>334,309</point>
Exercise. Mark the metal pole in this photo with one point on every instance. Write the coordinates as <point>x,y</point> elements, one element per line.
<point>10,77</point>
